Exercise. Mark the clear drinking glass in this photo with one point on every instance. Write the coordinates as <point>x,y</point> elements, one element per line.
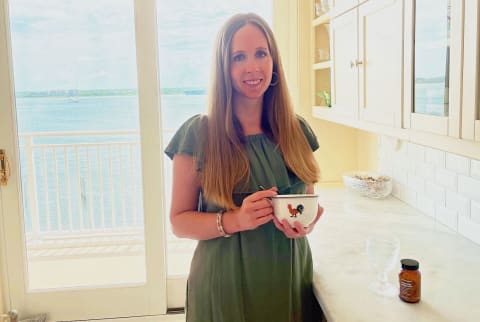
<point>383,252</point>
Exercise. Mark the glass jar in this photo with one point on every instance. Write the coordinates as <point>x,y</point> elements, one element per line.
<point>410,281</point>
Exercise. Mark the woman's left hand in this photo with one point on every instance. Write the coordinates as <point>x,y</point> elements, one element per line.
<point>298,231</point>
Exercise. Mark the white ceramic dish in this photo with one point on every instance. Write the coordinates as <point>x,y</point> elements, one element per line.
<point>368,184</point>
<point>301,207</point>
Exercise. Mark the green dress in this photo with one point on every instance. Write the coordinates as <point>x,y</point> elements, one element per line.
<point>257,275</point>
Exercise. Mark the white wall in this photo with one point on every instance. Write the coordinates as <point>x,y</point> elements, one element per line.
<point>443,185</point>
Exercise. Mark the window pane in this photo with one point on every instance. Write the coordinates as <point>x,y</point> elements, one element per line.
<point>186,31</point>
<point>432,56</point>
<point>77,113</point>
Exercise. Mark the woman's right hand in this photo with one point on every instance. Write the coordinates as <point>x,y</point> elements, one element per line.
<point>256,210</point>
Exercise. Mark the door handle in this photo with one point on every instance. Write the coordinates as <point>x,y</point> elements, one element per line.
<point>4,168</point>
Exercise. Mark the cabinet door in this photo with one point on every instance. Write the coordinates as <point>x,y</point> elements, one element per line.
<point>380,62</point>
<point>471,82</point>
<point>344,57</point>
<point>433,55</point>
<point>340,6</point>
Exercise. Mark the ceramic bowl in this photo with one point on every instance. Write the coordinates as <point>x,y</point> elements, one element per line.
<point>369,184</point>
<point>301,207</point>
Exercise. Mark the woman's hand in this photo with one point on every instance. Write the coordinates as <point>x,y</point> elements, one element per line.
<point>256,210</point>
<point>298,231</point>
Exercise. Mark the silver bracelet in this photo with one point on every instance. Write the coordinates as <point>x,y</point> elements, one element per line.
<point>219,224</point>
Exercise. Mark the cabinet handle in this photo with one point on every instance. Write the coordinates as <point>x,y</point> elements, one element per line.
<point>355,63</point>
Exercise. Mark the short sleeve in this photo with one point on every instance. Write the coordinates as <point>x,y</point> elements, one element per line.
<point>188,138</point>
<point>309,134</point>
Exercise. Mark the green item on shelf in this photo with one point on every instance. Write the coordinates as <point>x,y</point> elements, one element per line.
<point>326,98</point>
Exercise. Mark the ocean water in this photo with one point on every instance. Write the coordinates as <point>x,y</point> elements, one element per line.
<point>80,184</point>
<point>104,113</point>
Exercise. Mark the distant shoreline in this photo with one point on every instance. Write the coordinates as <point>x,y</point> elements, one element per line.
<point>105,92</point>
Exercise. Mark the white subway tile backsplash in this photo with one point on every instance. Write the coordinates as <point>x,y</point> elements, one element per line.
<point>435,192</point>
<point>385,168</point>
<point>398,190</point>
<point>410,197</point>
<point>469,229</point>
<point>400,161</point>
<point>447,217</point>
<point>416,152</point>
<point>475,169</point>
<point>400,175</point>
<point>446,178</point>
<point>443,185</point>
<point>402,147</point>
<point>425,204</point>
<point>458,202</point>
<point>476,211</point>
<point>435,157</point>
<point>415,183</point>
<point>469,187</point>
<point>457,163</point>
<point>425,170</point>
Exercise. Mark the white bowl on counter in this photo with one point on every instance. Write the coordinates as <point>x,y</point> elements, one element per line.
<point>369,184</point>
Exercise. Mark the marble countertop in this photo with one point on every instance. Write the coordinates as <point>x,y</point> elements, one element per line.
<point>449,263</point>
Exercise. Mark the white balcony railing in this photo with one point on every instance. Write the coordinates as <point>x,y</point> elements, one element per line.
<point>81,182</point>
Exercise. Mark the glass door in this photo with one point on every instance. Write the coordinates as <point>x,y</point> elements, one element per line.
<point>81,127</point>
<point>433,47</point>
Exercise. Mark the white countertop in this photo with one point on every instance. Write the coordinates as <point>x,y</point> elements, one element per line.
<point>449,263</point>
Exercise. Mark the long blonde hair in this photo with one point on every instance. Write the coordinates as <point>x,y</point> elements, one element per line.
<point>225,162</point>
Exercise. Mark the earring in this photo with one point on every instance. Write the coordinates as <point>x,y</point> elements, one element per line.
<point>275,80</point>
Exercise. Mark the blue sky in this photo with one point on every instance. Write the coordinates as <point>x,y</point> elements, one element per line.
<point>89,44</point>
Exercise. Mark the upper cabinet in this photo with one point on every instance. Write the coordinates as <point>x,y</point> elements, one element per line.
<point>367,62</point>
<point>341,6</point>
<point>345,64</point>
<point>404,68</point>
<point>433,49</point>
<point>470,124</point>
<point>380,62</point>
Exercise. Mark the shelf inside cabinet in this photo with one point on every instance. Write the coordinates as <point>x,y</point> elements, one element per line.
<point>322,65</point>
<point>325,18</point>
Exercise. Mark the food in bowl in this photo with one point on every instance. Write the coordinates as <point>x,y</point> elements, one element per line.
<point>369,184</point>
<point>297,207</point>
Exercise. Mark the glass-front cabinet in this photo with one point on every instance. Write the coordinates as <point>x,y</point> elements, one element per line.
<point>431,68</point>
<point>471,68</point>
<point>433,52</point>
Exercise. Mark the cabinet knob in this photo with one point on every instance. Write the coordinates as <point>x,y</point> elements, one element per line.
<point>355,63</point>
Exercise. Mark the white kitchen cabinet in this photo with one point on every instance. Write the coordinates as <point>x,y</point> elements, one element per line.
<point>380,62</point>
<point>341,6</point>
<point>367,63</point>
<point>344,60</point>
<point>470,124</point>
<point>433,60</point>
<point>377,81</point>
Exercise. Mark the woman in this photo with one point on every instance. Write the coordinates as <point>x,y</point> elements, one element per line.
<point>250,138</point>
